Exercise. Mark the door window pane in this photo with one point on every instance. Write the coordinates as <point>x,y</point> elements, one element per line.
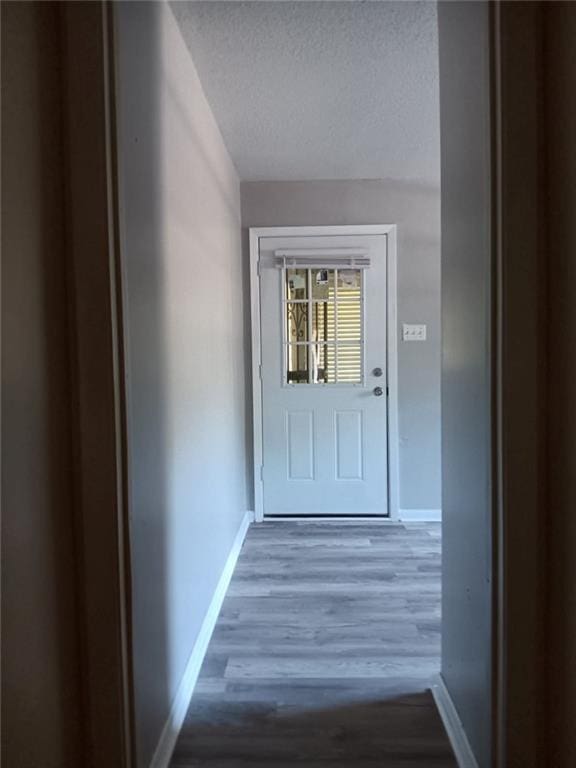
<point>297,284</point>
<point>349,316</point>
<point>297,363</point>
<point>322,281</point>
<point>323,316</point>
<point>349,364</point>
<point>349,283</point>
<point>323,321</point>
<point>296,322</point>
<point>323,363</point>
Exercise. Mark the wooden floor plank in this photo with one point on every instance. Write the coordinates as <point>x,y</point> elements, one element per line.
<point>327,642</point>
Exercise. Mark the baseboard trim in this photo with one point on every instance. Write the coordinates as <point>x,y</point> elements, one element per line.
<point>372,519</point>
<point>420,515</point>
<point>167,741</point>
<point>453,725</point>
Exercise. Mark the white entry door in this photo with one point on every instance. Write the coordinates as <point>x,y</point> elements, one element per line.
<point>323,375</point>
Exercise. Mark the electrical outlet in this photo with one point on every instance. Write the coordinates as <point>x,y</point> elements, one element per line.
<point>413,332</point>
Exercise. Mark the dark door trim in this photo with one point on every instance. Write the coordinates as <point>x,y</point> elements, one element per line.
<point>97,371</point>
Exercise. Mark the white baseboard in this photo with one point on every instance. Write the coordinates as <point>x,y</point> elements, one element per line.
<point>167,741</point>
<point>420,515</point>
<point>336,519</point>
<point>456,733</point>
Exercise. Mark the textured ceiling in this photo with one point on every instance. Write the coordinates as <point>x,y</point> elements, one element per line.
<point>320,90</point>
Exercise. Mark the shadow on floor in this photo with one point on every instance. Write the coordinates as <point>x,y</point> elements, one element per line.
<point>402,731</point>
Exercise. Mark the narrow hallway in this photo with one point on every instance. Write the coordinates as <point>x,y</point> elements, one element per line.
<point>327,642</point>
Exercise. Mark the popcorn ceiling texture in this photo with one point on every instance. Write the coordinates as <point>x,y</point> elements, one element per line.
<point>320,90</point>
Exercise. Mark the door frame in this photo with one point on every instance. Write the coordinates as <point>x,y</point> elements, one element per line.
<point>389,230</point>
<point>97,355</point>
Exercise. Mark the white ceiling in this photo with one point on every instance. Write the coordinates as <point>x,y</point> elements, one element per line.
<point>320,90</point>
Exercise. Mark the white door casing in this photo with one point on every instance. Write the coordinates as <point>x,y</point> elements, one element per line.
<point>323,321</point>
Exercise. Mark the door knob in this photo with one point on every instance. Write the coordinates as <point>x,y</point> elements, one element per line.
<point>378,391</point>
<point>377,372</point>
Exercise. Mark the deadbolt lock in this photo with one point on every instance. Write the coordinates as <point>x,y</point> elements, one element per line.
<point>377,372</point>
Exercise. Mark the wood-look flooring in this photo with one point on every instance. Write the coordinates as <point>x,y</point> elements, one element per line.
<point>326,644</point>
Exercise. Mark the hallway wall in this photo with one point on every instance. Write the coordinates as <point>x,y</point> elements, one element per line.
<point>464,35</point>
<point>415,208</point>
<point>180,221</point>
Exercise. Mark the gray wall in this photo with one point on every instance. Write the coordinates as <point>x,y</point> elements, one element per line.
<point>183,277</point>
<point>415,209</point>
<point>41,722</point>
<point>466,367</point>
<point>560,68</point>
